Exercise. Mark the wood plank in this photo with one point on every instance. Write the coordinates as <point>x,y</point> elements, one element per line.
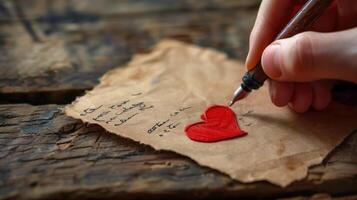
<point>86,9</point>
<point>88,49</point>
<point>45,154</point>
<point>321,197</point>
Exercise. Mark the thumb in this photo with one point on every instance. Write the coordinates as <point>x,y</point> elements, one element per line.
<point>312,56</point>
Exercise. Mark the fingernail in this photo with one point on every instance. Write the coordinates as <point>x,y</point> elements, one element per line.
<point>271,90</point>
<point>271,61</point>
<point>248,63</point>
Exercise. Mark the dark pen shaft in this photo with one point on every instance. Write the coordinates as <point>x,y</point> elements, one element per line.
<point>254,78</point>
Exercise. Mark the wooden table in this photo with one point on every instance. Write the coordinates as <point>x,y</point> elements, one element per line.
<point>45,154</point>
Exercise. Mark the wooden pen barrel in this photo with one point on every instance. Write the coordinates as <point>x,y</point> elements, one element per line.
<point>307,15</point>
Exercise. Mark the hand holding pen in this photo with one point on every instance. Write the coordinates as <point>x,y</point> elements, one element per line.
<point>297,65</point>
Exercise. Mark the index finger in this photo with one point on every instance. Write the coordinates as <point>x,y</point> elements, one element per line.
<point>272,16</point>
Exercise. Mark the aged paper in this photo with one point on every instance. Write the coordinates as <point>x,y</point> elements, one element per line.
<point>157,94</point>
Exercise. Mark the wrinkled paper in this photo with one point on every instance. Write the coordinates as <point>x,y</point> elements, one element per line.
<point>156,95</point>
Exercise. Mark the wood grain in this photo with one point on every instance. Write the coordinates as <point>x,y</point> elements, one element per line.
<point>98,41</point>
<point>35,9</point>
<point>45,154</point>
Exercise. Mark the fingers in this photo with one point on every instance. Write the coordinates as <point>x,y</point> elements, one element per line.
<point>281,92</point>
<point>311,56</point>
<point>328,22</point>
<point>306,57</point>
<point>322,95</point>
<point>347,12</point>
<point>300,96</point>
<point>272,16</point>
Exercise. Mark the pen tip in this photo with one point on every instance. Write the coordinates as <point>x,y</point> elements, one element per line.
<point>231,103</point>
<point>239,94</point>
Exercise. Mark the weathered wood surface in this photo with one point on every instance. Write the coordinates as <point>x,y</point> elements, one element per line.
<point>35,9</point>
<point>45,154</point>
<point>321,197</point>
<point>92,37</point>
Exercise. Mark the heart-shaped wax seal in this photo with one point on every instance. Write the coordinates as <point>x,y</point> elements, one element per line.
<point>219,123</point>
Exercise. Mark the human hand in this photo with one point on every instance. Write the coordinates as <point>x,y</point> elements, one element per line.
<point>299,66</point>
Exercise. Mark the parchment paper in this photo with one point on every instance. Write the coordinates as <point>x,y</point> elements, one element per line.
<point>156,95</point>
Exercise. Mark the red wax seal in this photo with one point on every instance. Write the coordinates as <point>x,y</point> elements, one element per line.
<point>219,123</point>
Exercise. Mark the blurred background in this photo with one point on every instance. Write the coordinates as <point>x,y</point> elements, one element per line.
<point>52,51</point>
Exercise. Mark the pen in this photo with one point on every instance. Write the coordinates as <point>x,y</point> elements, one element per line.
<point>254,78</point>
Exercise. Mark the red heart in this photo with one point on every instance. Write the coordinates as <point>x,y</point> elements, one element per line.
<point>219,123</point>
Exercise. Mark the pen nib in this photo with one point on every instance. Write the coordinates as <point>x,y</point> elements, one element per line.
<point>231,103</point>
<point>239,94</point>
